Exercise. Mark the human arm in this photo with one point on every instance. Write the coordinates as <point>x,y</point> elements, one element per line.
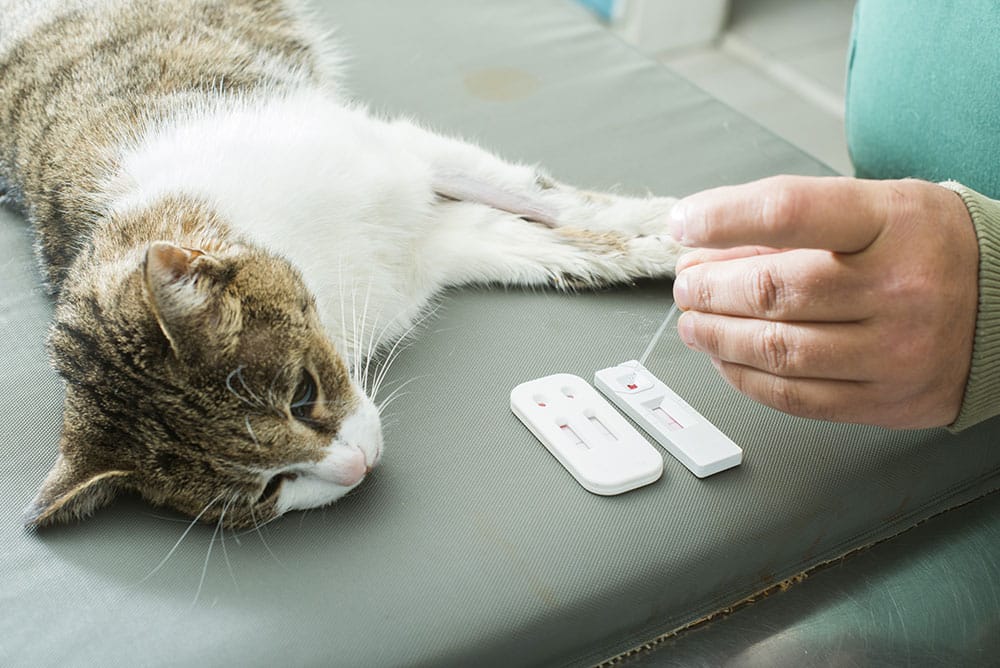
<point>870,311</point>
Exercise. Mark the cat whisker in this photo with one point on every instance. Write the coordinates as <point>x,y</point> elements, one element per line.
<point>208,556</point>
<point>364,322</point>
<point>358,325</point>
<point>256,527</point>
<point>343,315</point>
<point>354,327</point>
<point>396,350</point>
<point>354,345</point>
<point>325,402</point>
<point>375,347</point>
<point>164,518</point>
<point>266,522</point>
<point>383,372</point>
<point>238,372</point>
<point>222,536</point>
<point>253,436</point>
<point>270,387</point>
<point>366,375</point>
<point>348,495</point>
<point>181,539</point>
<point>397,392</point>
<point>385,404</point>
<point>377,340</point>
<point>260,402</point>
<point>389,400</point>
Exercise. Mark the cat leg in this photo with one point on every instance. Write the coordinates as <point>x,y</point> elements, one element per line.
<point>465,172</point>
<point>472,242</point>
<point>497,221</point>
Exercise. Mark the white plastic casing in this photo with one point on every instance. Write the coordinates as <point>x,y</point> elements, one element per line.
<point>586,434</point>
<point>682,430</point>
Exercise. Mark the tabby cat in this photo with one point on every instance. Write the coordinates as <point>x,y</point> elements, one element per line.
<point>210,210</point>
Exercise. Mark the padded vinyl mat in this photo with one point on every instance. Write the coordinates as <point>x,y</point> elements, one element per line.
<point>471,544</point>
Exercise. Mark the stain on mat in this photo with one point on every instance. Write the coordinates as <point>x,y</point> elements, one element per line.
<point>501,84</point>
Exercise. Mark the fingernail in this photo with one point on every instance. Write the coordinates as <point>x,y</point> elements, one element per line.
<point>681,291</point>
<point>677,220</point>
<point>685,329</point>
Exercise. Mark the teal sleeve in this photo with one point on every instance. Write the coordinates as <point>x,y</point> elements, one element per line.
<point>982,390</point>
<point>921,103</point>
<point>922,88</point>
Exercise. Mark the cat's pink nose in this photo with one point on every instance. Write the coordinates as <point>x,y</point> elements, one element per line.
<point>354,471</point>
<point>347,466</point>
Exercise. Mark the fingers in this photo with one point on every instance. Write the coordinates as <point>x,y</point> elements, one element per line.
<point>820,399</point>
<point>797,285</point>
<point>703,255</point>
<point>867,313</point>
<point>800,397</point>
<point>837,214</point>
<point>835,351</point>
<point>838,400</point>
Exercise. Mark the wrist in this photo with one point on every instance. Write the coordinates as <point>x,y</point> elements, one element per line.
<point>982,389</point>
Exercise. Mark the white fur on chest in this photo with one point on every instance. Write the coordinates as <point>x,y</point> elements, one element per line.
<point>318,182</point>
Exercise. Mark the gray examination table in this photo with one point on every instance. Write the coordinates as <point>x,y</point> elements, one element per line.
<point>471,545</point>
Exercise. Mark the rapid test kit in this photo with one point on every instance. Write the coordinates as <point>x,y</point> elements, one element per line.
<point>599,447</point>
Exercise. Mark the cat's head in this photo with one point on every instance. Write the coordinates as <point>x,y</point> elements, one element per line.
<point>202,379</point>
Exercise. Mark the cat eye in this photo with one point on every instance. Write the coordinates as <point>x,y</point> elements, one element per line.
<point>304,398</point>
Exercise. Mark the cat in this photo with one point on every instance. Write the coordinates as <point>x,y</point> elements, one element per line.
<point>211,210</point>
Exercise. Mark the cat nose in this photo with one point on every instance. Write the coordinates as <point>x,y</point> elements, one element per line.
<point>345,466</point>
<point>353,471</point>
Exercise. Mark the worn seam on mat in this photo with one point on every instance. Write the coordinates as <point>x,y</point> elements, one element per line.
<point>724,604</point>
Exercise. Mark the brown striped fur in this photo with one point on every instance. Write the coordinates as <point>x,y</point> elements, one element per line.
<point>90,79</point>
<point>199,369</point>
<point>187,407</point>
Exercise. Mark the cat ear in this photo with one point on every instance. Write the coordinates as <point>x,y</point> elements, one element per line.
<point>181,284</point>
<point>70,493</point>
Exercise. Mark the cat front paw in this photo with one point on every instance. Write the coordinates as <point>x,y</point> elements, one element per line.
<point>631,216</point>
<point>654,256</point>
<point>648,217</point>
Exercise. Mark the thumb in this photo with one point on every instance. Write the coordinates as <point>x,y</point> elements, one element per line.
<point>832,213</point>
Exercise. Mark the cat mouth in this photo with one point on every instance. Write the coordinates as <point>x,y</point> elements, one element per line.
<point>313,491</point>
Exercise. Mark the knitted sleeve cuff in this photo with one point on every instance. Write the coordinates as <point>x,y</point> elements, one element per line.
<point>982,390</point>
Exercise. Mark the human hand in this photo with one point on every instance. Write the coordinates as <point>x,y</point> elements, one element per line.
<point>833,298</point>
